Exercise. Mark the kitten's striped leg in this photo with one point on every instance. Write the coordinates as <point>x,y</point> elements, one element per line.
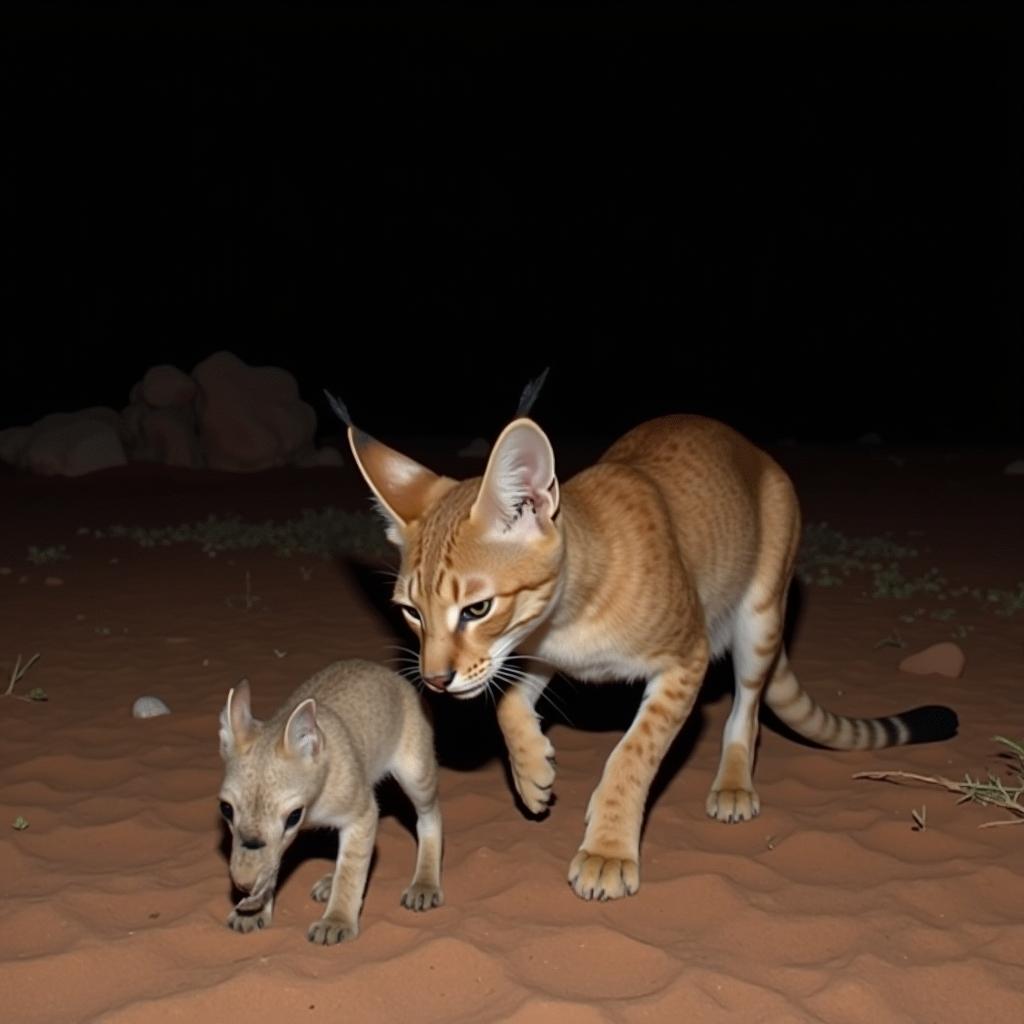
<point>531,755</point>
<point>607,865</point>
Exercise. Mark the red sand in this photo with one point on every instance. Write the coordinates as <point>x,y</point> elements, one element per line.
<point>829,907</point>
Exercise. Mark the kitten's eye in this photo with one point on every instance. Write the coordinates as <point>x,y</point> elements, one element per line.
<point>411,612</point>
<point>293,819</point>
<point>227,811</point>
<point>477,610</point>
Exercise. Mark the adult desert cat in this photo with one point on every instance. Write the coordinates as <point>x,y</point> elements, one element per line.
<point>675,547</point>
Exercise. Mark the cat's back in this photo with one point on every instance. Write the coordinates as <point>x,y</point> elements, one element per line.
<point>369,699</point>
<point>714,483</point>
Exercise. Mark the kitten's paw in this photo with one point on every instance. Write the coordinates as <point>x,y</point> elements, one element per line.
<point>420,896</point>
<point>533,772</point>
<point>329,931</point>
<point>321,892</point>
<point>732,805</point>
<point>246,923</point>
<point>594,877</point>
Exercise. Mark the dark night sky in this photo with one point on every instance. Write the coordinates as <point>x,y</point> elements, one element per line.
<point>806,224</point>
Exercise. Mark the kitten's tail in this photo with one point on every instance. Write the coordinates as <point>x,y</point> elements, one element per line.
<point>530,393</point>
<point>796,708</point>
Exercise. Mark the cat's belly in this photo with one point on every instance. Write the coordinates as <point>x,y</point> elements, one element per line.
<point>591,660</point>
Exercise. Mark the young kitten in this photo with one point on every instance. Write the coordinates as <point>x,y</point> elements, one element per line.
<point>314,764</point>
<point>677,546</point>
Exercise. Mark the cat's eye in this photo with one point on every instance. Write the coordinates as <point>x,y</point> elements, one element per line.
<point>411,612</point>
<point>227,812</point>
<point>293,819</point>
<point>475,611</point>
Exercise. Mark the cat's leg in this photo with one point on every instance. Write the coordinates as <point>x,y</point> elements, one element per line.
<point>416,772</point>
<point>340,921</point>
<point>757,654</point>
<point>530,753</point>
<point>607,865</point>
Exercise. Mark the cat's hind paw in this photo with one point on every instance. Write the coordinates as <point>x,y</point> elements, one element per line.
<point>733,805</point>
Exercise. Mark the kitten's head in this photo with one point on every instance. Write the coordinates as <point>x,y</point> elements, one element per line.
<point>481,558</point>
<point>273,773</point>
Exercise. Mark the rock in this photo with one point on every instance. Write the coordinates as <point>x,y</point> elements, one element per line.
<point>149,707</point>
<point>165,387</point>
<point>13,443</point>
<point>164,435</point>
<point>869,438</point>
<point>72,444</point>
<point>1015,468</point>
<point>944,659</point>
<point>326,456</point>
<point>250,418</point>
<point>478,448</point>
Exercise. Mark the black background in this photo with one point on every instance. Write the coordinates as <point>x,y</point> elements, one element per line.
<point>803,220</point>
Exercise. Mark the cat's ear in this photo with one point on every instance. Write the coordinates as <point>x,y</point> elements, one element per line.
<point>236,722</point>
<point>518,496</point>
<point>302,738</point>
<point>403,488</point>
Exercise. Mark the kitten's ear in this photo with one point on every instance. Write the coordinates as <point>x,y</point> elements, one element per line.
<point>403,488</point>
<point>302,735</point>
<point>236,721</point>
<point>518,497</point>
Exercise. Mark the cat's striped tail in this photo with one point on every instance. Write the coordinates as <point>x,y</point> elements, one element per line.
<point>797,709</point>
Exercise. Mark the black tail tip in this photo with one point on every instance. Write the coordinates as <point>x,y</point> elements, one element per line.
<point>931,723</point>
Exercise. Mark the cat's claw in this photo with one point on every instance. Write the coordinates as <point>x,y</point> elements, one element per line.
<point>321,891</point>
<point>421,896</point>
<point>246,923</point>
<point>329,931</point>
<point>733,805</point>
<point>534,778</point>
<point>594,877</point>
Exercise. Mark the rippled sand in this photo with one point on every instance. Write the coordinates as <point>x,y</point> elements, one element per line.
<point>829,907</point>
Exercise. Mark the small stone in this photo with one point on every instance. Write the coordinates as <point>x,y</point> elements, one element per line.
<point>53,581</point>
<point>5,570</point>
<point>944,659</point>
<point>150,707</point>
<point>1015,468</point>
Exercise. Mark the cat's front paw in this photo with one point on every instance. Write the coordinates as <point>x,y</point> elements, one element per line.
<point>329,931</point>
<point>321,891</point>
<point>732,805</point>
<point>595,877</point>
<point>533,772</point>
<point>420,896</point>
<point>246,923</point>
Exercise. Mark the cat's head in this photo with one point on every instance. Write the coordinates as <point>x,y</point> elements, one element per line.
<point>481,558</point>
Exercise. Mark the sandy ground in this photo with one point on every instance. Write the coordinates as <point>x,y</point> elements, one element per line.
<point>829,907</point>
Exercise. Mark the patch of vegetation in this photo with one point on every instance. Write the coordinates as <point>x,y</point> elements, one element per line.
<point>989,792</point>
<point>829,558</point>
<point>321,533</point>
<point>48,555</point>
<point>37,693</point>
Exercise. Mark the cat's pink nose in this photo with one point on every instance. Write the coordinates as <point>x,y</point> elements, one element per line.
<point>440,682</point>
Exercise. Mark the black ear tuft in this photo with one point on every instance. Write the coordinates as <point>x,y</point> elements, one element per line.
<point>530,393</point>
<point>339,407</point>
